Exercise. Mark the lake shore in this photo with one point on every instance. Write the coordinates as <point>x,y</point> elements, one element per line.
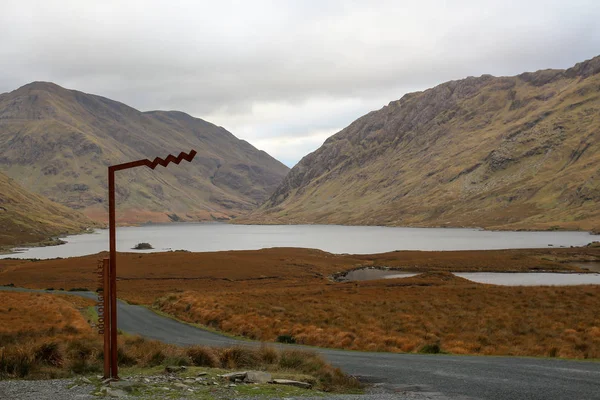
<point>336,239</point>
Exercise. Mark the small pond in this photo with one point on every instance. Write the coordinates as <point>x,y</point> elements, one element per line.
<point>495,278</point>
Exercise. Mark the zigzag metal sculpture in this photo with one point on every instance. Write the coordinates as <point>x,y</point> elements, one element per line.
<point>109,291</point>
<point>157,161</point>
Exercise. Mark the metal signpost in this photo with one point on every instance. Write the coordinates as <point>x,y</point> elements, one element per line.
<point>109,273</point>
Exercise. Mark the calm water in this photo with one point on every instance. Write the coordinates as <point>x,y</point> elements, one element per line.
<point>331,238</point>
<point>496,278</point>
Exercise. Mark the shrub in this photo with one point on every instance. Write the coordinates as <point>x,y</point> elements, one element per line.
<point>143,246</point>
<point>286,339</point>
<point>178,360</point>
<point>238,357</point>
<point>49,354</point>
<point>124,359</point>
<point>15,362</point>
<point>203,357</point>
<point>292,359</point>
<point>157,358</point>
<point>83,366</point>
<point>430,349</point>
<point>268,355</point>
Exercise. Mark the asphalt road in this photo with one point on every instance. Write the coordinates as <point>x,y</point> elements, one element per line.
<point>422,376</point>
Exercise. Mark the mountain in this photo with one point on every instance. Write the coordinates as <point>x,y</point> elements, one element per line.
<point>517,152</point>
<point>29,218</point>
<point>59,143</point>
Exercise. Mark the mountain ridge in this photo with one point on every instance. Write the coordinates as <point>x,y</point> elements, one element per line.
<point>479,152</point>
<point>58,142</point>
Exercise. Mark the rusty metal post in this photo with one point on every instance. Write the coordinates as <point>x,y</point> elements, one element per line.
<point>113,274</point>
<point>112,228</point>
<point>106,316</point>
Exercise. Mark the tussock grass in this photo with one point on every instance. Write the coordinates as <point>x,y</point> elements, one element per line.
<point>144,277</point>
<point>286,294</point>
<point>414,316</point>
<point>55,348</point>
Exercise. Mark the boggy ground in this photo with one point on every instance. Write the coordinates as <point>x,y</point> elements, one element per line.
<point>287,294</point>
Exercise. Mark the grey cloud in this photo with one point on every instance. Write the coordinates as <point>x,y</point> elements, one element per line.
<point>206,58</point>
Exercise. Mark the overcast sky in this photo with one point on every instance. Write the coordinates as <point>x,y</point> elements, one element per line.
<point>284,75</point>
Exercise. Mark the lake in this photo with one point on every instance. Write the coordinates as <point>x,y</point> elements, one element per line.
<point>332,238</point>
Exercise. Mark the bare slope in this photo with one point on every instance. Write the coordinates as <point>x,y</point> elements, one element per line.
<point>58,143</point>
<point>29,218</point>
<point>507,152</point>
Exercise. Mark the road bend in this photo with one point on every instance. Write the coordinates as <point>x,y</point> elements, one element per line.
<point>432,376</point>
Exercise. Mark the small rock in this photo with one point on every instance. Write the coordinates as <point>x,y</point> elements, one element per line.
<point>303,385</point>
<point>234,375</point>
<point>232,385</point>
<point>86,380</point>
<point>189,381</point>
<point>180,385</point>
<point>257,377</point>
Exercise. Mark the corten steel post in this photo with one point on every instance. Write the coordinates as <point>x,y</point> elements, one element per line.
<point>106,315</point>
<point>113,241</point>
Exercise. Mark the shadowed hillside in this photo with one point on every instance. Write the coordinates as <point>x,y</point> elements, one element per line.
<point>58,143</point>
<point>29,218</point>
<point>496,152</point>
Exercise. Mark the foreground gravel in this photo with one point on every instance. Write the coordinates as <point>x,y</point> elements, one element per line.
<point>71,389</point>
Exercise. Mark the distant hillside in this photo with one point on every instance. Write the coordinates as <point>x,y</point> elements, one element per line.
<point>59,142</point>
<point>29,218</point>
<point>507,152</point>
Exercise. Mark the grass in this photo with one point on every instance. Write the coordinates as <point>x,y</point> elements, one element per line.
<point>420,316</point>
<point>286,294</point>
<point>45,336</point>
<point>144,277</point>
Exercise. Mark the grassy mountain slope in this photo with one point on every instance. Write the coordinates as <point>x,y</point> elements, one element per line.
<point>495,152</point>
<point>58,143</point>
<point>29,218</point>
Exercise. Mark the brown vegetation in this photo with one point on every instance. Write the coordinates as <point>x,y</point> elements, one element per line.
<point>144,277</point>
<point>44,336</point>
<point>407,315</point>
<point>287,292</point>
